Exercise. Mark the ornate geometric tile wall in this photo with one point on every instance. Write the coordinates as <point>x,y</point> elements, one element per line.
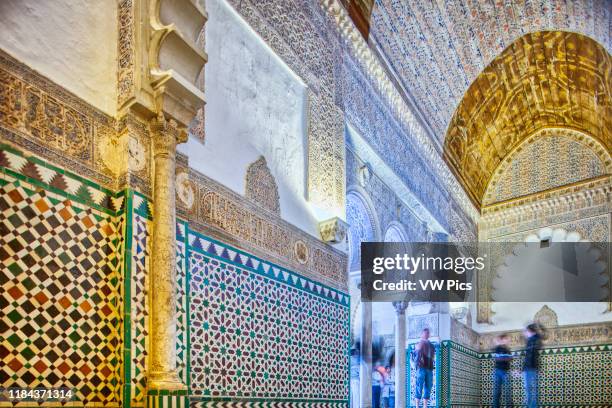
<point>137,299</point>
<point>60,293</point>
<point>569,376</point>
<point>465,381</point>
<point>182,302</point>
<point>260,333</point>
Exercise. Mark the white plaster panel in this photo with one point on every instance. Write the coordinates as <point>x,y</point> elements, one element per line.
<point>72,42</point>
<point>255,106</point>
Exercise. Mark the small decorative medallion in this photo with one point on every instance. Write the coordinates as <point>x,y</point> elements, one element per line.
<point>300,250</point>
<point>184,189</point>
<point>365,174</point>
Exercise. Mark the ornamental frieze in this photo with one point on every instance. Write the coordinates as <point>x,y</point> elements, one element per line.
<point>222,214</point>
<point>45,119</point>
<point>587,335</point>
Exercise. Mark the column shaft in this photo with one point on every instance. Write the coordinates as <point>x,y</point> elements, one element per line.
<point>162,369</point>
<point>400,355</point>
<point>365,372</point>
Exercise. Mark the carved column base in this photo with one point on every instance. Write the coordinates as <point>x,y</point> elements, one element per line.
<point>163,380</point>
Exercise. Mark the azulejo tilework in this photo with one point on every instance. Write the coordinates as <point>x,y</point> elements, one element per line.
<point>293,327</point>
<point>578,376</point>
<point>138,296</point>
<point>182,302</point>
<point>44,175</point>
<point>260,332</point>
<point>60,294</point>
<point>569,376</point>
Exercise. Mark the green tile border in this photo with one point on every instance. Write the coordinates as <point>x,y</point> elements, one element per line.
<point>259,270</point>
<point>127,300</point>
<point>47,187</point>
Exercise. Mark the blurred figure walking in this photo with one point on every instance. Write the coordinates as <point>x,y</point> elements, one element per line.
<point>531,364</point>
<point>389,388</point>
<point>377,384</point>
<point>502,382</point>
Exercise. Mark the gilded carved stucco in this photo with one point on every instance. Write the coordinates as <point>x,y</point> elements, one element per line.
<point>548,159</point>
<point>544,79</point>
<point>436,49</point>
<point>546,318</point>
<point>326,180</point>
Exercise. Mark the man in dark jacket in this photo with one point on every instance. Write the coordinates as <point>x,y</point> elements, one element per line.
<point>530,367</point>
<point>501,375</point>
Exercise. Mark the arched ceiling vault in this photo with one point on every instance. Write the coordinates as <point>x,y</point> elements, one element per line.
<point>546,79</point>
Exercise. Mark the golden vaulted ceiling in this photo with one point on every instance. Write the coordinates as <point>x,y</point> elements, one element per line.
<point>542,80</point>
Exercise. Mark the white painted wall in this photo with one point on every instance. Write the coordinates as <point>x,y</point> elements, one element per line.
<point>255,106</point>
<point>72,42</point>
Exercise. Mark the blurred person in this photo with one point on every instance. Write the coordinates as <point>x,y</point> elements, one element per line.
<point>388,393</point>
<point>377,383</point>
<point>531,364</point>
<point>502,381</point>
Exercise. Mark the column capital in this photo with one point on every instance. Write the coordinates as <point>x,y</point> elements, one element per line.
<point>166,134</point>
<point>333,230</point>
<point>400,307</point>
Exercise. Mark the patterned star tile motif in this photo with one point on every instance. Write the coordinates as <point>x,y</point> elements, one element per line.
<point>261,332</point>
<point>438,47</point>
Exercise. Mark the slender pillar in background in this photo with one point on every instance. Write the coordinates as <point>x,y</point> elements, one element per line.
<point>162,363</point>
<point>365,372</point>
<point>400,353</point>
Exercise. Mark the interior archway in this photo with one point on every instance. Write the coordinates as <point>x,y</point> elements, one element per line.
<point>544,79</point>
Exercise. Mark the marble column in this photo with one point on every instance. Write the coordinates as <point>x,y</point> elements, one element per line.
<point>365,372</point>
<point>162,373</point>
<point>400,353</point>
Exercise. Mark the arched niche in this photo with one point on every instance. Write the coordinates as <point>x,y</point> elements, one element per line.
<point>549,158</point>
<point>395,232</point>
<point>363,224</point>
